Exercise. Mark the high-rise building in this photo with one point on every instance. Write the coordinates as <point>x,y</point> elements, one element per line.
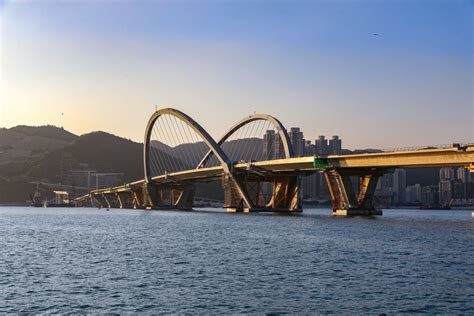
<point>458,189</point>
<point>335,145</point>
<point>309,148</point>
<point>446,173</point>
<point>279,149</point>
<point>384,191</point>
<point>464,175</point>
<point>297,141</point>
<point>269,145</point>
<point>385,182</point>
<point>309,186</point>
<point>309,183</point>
<point>399,185</point>
<point>430,195</point>
<point>272,146</point>
<point>413,194</point>
<point>445,192</point>
<point>470,190</point>
<point>454,184</point>
<point>321,146</point>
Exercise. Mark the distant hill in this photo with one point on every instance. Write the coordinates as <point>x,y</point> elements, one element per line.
<point>100,151</point>
<point>20,147</point>
<point>23,143</point>
<point>37,154</point>
<point>47,131</point>
<point>191,154</point>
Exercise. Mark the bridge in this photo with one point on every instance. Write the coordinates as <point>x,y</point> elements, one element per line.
<point>257,168</point>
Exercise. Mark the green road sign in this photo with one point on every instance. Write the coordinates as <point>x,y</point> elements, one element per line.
<point>320,163</point>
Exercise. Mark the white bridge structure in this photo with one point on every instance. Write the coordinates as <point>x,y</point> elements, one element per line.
<point>255,162</point>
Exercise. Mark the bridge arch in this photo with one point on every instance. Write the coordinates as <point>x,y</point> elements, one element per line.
<point>283,134</point>
<point>206,138</point>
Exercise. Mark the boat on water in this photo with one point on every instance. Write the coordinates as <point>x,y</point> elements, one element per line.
<point>61,199</point>
<point>36,199</point>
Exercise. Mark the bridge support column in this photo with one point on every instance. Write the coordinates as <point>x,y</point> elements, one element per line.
<point>119,200</point>
<point>233,200</point>
<point>100,200</point>
<point>104,196</point>
<point>137,199</point>
<point>168,196</point>
<point>284,196</point>
<point>113,200</point>
<point>183,197</point>
<point>125,199</point>
<point>97,200</point>
<point>343,197</point>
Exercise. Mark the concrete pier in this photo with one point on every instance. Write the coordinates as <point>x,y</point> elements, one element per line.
<point>357,212</point>
<point>264,210</point>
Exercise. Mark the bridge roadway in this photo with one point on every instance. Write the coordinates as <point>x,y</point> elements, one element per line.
<point>435,157</point>
<point>260,185</point>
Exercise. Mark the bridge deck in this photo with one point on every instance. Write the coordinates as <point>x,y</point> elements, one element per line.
<point>435,157</point>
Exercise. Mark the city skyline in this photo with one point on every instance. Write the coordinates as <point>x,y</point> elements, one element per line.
<point>90,66</point>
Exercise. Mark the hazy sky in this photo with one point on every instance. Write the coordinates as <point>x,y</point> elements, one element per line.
<point>313,64</point>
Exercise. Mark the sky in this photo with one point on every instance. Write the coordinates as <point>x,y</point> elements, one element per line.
<point>379,74</point>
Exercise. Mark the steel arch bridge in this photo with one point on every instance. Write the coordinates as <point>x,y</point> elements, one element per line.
<point>243,190</point>
<point>255,162</point>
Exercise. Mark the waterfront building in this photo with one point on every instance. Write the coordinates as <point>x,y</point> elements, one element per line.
<point>279,150</point>
<point>455,184</point>
<point>413,194</point>
<point>446,173</point>
<point>309,183</point>
<point>269,145</point>
<point>464,175</point>
<point>335,145</point>
<point>399,185</point>
<point>384,190</point>
<point>470,190</point>
<point>321,146</point>
<point>462,185</point>
<point>445,192</point>
<point>313,186</point>
<point>385,182</point>
<point>430,195</point>
<point>272,146</point>
<point>297,141</point>
<point>458,189</point>
<point>309,149</point>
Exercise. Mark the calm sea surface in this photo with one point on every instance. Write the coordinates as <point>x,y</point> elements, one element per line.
<point>89,261</point>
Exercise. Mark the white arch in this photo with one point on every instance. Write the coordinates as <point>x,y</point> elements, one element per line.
<point>288,149</point>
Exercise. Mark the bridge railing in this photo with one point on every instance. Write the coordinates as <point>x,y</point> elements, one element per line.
<point>408,148</point>
<point>441,146</point>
